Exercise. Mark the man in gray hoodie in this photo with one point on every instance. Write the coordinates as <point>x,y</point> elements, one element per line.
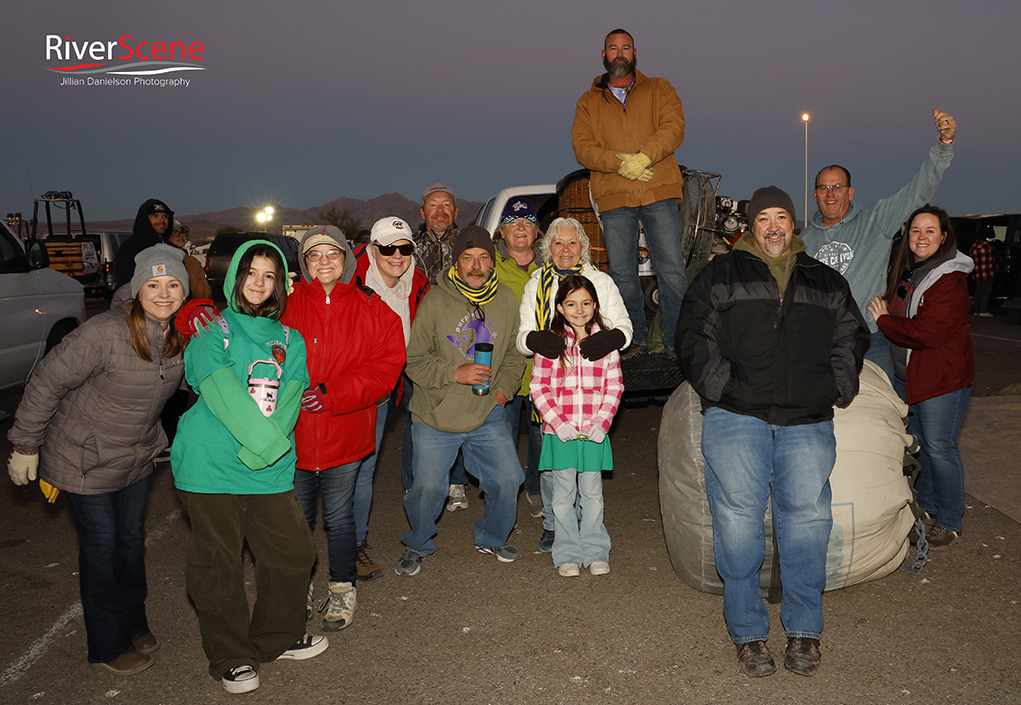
<point>855,240</point>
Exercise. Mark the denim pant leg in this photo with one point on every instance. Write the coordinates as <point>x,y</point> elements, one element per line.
<point>983,291</point>
<point>663,236</point>
<point>595,540</point>
<point>434,455</point>
<point>458,474</point>
<point>879,353</point>
<point>513,411</point>
<point>111,568</point>
<point>738,453</point>
<point>567,544</point>
<point>803,458</point>
<point>363,485</point>
<point>490,456</point>
<point>620,233</point>
<point>336,487</point>
<point>407,444</point>
<point>940,486</point>
<point>546,490</point>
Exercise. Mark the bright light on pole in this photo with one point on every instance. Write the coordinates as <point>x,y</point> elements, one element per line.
<point>265,215</point>
<point>804,216</point>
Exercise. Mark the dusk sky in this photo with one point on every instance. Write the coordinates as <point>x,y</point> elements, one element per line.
<point>301,103</point>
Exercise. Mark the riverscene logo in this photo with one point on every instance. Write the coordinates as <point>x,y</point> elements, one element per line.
<point>125,61</point>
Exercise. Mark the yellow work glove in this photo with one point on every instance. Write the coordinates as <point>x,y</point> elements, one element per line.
<point>632,165</point>
<point>647,174</point>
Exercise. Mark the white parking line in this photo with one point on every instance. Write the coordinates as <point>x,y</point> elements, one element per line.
<point>39,647</point>
<point>993,337</point>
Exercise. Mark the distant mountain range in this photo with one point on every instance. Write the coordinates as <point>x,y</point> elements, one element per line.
<point>204,225</point>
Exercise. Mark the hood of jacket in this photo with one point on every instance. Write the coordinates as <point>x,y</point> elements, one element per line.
<point>337,235</point>
<point>232,271</point>
<point>142,225</point>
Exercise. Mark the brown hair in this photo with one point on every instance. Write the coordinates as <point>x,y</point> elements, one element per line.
<point>902,255</point>
<point>559,325</point>
<point>139,328</point>
<point>274,306</point>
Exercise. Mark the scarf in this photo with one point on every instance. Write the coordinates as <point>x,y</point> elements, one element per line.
<point>397,297</point>
<point>481,296</point>
<point>543,305</point>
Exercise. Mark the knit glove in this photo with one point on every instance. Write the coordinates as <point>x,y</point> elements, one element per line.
<point>22,468</point>
<point>601,343</point>
<point>314,399</point>
<point>568,433</point>
<point>596,434</point>
<point>197,317</point>
<point>632,165</point>
<point>647,175</point>
<point>546,343</point>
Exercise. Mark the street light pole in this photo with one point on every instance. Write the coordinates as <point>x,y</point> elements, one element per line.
<point>804,216</point>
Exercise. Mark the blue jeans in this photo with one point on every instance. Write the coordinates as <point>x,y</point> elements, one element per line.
<point>489,456</point>
<point>583,541</point>
<point>513,410</point>
<point>879,353</point>
<point>336,486</point>
<point>363,485</point>
<point>111,568</point>
<point>983,291</point>
<point>748,462</point>
<point>458,475</point>
<point>936,423</point>
<point>663,236</point>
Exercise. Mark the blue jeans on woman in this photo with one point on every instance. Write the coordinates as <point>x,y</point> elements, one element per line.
<point>749,462</point>
<point>336,486</point>
<point>363,484</point>
<point>936,423</point>
<point>111,568</point>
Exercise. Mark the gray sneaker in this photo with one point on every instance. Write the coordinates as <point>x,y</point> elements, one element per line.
<point>456,498</point>
<point>546,541</point>
<point>505,553</point>
<point>409,564</point>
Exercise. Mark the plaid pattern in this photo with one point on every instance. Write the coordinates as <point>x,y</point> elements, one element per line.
<point>985,263</point>
<point>578,392</point>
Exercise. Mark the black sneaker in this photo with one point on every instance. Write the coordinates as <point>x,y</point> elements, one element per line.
<point>306,647</point>
<point>803,656</point>
<point>505,553</point>
<point>242,679</point>
<point>546,541</point>
<point>409,564</point>
<point>940,537</point>
<point>755,659</point>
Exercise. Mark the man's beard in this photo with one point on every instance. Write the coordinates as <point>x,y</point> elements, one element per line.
<point>620,67</point>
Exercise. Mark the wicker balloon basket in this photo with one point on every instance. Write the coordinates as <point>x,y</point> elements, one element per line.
<point>575,203</point>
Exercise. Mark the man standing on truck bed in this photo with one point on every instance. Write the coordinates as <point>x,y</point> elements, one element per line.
<point>150,228</point>
<point>855,240</point>
<point>626,129</point>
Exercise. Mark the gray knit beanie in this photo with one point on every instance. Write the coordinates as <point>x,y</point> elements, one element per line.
<point>157,261</point>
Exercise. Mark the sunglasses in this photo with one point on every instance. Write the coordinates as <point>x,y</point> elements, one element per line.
<point>511,218</point>
<point>386,250</point>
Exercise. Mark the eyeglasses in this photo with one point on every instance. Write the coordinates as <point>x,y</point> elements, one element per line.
<point>835,188</point>
<point>511,218</point>
<point>387,250</point>
<point>316,255</point>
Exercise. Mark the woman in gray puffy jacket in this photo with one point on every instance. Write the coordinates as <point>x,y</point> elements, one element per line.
<point>89,426</point>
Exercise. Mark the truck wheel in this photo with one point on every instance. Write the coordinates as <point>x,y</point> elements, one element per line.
<point>58,332</point>
<point>652,297</point>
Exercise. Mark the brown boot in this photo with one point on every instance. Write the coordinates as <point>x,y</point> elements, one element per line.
<point>127,664</point>
<point>368,569</point>
<point>146,644</point>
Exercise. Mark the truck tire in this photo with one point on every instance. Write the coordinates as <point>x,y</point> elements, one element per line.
<point>652,297</point>
<point>57,333</point>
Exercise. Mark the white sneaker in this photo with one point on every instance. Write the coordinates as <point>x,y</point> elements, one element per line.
<point>569,570</point>
<point>341,608</point>
<point>456,499</point>
<point>241,679</point>
<point>599,568</point>
<point>308,646</point>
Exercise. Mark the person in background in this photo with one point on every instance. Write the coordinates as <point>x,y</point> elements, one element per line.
<point>982,276</point>
<point>88,425</point>
<point>200,288</point>
<point>387,266</point>
<point>565,251</point>
<point>518,255</point>
<point>355,357</point>
<point>925,317</point>
<point>151,227</point>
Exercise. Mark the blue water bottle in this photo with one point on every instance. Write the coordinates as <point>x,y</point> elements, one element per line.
<point>483,356</point>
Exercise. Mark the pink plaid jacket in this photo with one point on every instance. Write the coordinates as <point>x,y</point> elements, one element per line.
<point>579,392</point>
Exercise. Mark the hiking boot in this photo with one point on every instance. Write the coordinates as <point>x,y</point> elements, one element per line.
<point>505,553</point>
<point>535,501</point>
<point>368,569</point>
<point>569,570</point>
<point>456,498</point>
<point>546,541</point>
<point>409,564</point>
<point>940,537</point>
<point>146,644</point>
<point>755,659</point>
<point>803,656</point>
<point>241,679</point>
<point>127,664</point>
<point>309,603</point>
<point>306,647</point>
<point>341,607</point>
<point>599,568</point>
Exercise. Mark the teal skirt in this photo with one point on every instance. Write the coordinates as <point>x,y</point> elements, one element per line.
<point>584,456</point>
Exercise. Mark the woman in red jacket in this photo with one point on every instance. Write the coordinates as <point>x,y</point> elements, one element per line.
<point>925,317</point>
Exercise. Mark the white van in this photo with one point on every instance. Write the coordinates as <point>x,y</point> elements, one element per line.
<point>38,307</point>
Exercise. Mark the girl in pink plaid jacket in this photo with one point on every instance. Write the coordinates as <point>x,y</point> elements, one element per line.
<point>577,399</point>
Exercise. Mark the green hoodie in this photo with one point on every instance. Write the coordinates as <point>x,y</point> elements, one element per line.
<point>224,444</point>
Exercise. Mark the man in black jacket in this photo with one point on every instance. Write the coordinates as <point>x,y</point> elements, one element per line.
<point>771,339</point>
<point>152,226</point>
